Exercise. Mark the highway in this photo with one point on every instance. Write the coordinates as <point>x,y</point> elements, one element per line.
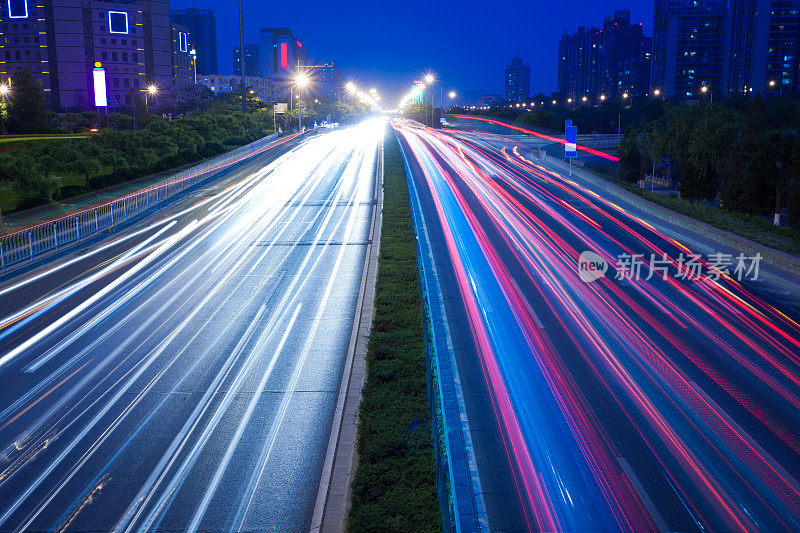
<point>182,373</point>
<point>662,402</point>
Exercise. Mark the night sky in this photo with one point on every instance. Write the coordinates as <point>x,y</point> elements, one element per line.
<point>388,44</point>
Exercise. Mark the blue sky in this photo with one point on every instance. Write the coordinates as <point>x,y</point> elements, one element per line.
<point>388,44</point>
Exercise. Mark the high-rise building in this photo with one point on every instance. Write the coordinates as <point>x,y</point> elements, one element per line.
<point>88,54</point>
<point>611,61</point>
<point>203,27</point>
<point>281,55</point>
<point>580,62</point>
<point>183,69</point>
<point>625,61</point>
<point>764,47</point>
<point>689,43</point>
<point>518,81</point>
<point>252,60</point>
<point>328,81</point>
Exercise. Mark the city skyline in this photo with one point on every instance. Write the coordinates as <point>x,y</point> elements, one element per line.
<point>391,56</point>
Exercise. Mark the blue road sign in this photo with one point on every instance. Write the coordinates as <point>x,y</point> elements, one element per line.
<point>570,140</point>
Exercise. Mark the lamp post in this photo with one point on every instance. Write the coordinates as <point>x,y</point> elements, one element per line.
<point>704,89</point>
<point>625,96</point>
<point>430,79</point>
<point>193,53</point>
<point>241,60</point>
<point>351,89</point>
<point>152,90</point>
<point>301,81</point>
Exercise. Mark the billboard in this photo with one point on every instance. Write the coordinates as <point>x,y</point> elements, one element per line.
<point>100,92</point>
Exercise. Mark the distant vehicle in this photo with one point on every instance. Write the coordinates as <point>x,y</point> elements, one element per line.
<point>94,130</point>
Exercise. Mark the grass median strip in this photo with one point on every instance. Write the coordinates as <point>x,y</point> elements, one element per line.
<point>394,487</point>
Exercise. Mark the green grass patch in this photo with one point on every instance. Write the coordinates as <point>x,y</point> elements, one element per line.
<point>40,137</point>
<point>394,487</point>
<point>748,226</point>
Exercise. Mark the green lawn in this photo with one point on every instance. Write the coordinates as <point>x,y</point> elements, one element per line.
<point>749,226</point>
<point>394,487</point>
<point>41,137</point>
<point>13,200</point>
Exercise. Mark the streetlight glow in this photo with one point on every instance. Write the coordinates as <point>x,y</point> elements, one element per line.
<point>602,97</point>
<point>585,98</point>
<point>152,89</point>
<point>4,90</point>
<point>351,87</point>
<point>452,94</point>
<point>657,92</point>
<point>429,78</point>
<point>703,89</point>
<point>301,79</point>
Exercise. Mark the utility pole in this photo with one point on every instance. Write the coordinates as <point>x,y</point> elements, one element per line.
<point>241,59</point>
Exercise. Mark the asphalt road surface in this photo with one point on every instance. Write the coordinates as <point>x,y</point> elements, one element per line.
<point>667,400</point>
<point>182,373</point>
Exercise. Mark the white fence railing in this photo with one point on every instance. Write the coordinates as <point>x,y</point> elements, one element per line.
<point>51,235</point>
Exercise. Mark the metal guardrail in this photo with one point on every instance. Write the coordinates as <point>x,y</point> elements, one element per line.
<point>51,235</point>
<point>600,141</point>
<point>453,479</point>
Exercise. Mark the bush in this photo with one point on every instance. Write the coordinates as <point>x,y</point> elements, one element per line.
<point>394,487</point>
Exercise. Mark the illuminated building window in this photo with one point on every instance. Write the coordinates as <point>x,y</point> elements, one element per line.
<point>18,9</point>
<point>118,22</point>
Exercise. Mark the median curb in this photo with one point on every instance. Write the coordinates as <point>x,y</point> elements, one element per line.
<point>769,255</point>
<point>341,459</point>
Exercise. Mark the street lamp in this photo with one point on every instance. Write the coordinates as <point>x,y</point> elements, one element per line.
<point>4,90</point>
<point>242,69</point>
<point>704,89</point>
<point>300,81</point>
<point>430,79</point>
<point>602,98</point>
<point>193,53</point>
<point>152,90</point>
<point>584,99</point>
